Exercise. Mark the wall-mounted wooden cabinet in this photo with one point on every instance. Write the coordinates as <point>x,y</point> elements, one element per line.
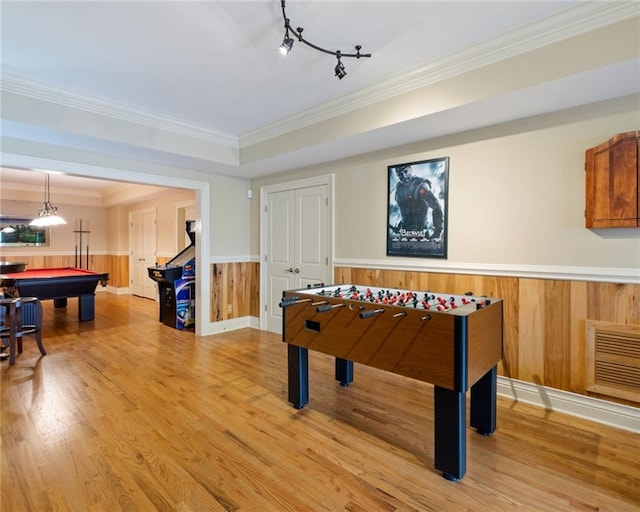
<point>613,175</point>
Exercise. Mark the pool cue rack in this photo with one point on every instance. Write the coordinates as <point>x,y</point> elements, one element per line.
<point>79,231</point>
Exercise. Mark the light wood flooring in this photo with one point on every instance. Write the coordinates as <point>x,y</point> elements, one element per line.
<point>124,413</point>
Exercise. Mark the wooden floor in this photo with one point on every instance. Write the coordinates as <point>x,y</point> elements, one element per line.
<point>124,413</point>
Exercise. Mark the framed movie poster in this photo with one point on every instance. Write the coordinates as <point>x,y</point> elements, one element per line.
<point>417,208</point>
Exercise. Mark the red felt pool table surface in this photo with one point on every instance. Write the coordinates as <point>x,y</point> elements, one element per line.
<point>57,284</point>
<point>46,273</point>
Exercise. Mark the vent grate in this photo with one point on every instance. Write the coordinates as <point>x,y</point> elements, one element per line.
<point>613,359</point>
<point>620,344</point>
<point>617,374</point>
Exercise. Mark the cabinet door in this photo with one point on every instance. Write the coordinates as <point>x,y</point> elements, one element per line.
<point>612,183</point>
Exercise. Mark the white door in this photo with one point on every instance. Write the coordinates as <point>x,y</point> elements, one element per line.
<point>297,249</point>
<point>142,240</point>
<point>310,242</point>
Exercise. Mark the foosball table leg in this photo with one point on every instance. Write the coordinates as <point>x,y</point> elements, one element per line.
<point>483,403</point>
<point>298,375</point>
<point>450,418</point>
<point>344,371</point>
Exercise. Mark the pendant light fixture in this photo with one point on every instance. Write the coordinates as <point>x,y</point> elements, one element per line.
<point>48,214</point>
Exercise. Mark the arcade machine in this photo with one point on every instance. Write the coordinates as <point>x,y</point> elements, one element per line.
<point>177,284</point>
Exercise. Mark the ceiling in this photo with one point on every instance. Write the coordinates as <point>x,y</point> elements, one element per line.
<point>29,183</point>
<point>30,180</point>
<point>212,68</point>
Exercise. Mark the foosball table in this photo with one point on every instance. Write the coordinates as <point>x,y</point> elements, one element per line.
<point>451,341</point>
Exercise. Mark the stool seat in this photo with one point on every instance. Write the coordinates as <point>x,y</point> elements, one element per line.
<point>21,316</point>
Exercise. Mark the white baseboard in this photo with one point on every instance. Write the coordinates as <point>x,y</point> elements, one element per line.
<point>114,290</point>
<point>593,409</point>
<point>232,325</point>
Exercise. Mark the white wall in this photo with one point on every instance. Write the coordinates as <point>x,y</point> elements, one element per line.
<point>118,230</point>
<point>166,228</point>
<point>109,226</point>
<point>230,217</point>
<point>226,207</point>
<point>62,240</point>
<point>516,194</point>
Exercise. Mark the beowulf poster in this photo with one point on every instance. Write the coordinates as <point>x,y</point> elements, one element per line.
<point>417,208</point>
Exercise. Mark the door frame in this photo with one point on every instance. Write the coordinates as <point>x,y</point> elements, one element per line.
<point>325,179</point>
<point>204,326</point>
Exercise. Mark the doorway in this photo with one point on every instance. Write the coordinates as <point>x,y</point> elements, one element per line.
<point>203,207</point>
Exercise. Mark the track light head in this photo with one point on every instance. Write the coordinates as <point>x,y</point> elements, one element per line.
<point>340,71</point>
<point>287,44</point>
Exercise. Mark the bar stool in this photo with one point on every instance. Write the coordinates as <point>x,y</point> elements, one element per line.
<point>22,316</point>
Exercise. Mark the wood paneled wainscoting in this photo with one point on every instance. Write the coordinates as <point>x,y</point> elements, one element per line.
<point>235,290</point>
<point>116,265</point>
<point>544,319</point>
<point>118,268</point>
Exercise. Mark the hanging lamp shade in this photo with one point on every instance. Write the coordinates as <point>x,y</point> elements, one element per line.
<point>48,214</point>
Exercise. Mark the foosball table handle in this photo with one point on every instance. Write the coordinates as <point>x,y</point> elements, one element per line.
<point>291,300</point>
<point>370,313</point>
<point>329,307</point>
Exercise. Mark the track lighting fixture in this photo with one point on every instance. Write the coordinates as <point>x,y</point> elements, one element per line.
<point>287,44</point>
<point>48,214</point>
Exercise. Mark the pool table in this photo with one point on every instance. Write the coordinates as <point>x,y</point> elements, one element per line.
<point>57,284</point>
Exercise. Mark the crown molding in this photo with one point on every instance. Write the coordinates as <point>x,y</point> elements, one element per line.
<point>36,90</point>
<point>569,23</point>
